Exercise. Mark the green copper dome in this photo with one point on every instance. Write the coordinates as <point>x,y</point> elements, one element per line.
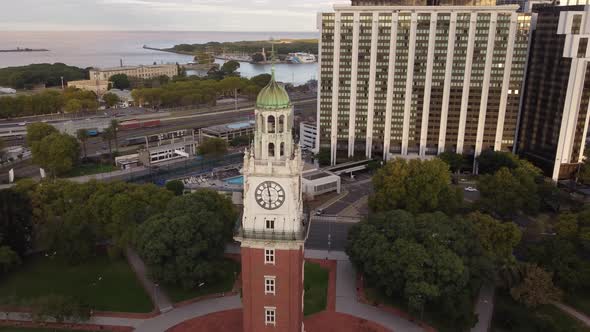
<point>273,96</point>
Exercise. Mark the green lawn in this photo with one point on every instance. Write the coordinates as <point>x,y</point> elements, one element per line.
<point>511,316</point>
<point>102,283</point>
<point>579,300</point>
<point>89,169</point>
<point>230,269</point>
<point>316,288</point>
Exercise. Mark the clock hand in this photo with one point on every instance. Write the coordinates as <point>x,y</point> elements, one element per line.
<point>269,198</point>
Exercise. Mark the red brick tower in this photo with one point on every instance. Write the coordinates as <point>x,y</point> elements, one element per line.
<point>273,228</point>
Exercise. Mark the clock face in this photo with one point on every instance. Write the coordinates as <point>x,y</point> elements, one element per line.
<point>270,195</point>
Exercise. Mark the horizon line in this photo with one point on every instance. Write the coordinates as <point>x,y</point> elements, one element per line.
<point>107,30</point>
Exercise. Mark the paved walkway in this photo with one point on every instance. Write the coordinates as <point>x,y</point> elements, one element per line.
<point>573,312</point>
<point>346,299</point>
<point>178,315</point>
<point>159,298</point>
<point>484,308</point>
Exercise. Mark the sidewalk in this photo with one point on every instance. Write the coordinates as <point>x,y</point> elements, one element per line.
<point>159,298</point>
<point>484,308</point>
<point>573,312</point>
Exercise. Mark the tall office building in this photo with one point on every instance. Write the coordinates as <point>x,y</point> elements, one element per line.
<point>419,77</point>
<point>556,105</point>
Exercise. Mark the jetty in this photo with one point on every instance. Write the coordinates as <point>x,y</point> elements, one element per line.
<point>18,49</point>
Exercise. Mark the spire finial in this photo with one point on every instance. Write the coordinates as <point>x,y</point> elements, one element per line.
<point>272,59</point>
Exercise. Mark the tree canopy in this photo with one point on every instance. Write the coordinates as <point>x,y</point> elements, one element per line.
<point>120,81</point>
<point>212,146</point>
<point>25,77</point>
<point>110,99</point>
<point>70,100</point>
<point>426,259</point>
<point>16,222</point>
<point>183,244</point>
<point>57,153</point>
<point>489,161</point>
<point>416,186</point>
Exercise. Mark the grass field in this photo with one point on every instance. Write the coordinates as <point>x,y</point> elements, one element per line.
<point>104,284</point>
<point>89,169</point>
<point>315,282</point>
<point>511,316</point>
<point>230,270</point>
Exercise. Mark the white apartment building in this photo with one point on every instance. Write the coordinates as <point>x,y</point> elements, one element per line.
<point>417,77</point>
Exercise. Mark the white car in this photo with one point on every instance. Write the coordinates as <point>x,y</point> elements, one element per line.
<point>470,189</point>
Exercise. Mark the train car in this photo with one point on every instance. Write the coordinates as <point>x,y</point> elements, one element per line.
<point>150,123</point>
<point>134,141</point>
<point>130,125</point>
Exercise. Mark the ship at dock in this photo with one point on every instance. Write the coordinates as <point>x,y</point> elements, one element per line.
<point>301,57</point>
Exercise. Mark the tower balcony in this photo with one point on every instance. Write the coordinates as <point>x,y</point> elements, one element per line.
<point>241,233</point>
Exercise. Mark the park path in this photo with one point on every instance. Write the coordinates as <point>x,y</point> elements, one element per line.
<point>484,309</point>
<point>159,297</point>
<point>573,312</point>
<point>176,316</point>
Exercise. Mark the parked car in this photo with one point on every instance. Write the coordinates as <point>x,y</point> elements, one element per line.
<point>470,189</point>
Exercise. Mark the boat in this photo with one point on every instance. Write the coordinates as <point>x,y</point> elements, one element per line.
<point>301,57</point>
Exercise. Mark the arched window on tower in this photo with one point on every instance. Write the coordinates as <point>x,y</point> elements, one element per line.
<point>282,150</point>
<point>281,127</point>
<point>271,149</point>
<point>270,124</point>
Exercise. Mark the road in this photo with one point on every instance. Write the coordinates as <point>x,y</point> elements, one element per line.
<point>328,235</point>
<point>183,119</point>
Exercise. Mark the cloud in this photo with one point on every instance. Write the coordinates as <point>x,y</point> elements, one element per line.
<point>197,15</point>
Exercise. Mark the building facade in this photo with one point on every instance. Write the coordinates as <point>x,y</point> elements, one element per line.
<point>273,228</point>
<point>556,104</point>
<point>308,133</point>
<point>144,72</point>
<point>420,77</point>
<point>99,87</point>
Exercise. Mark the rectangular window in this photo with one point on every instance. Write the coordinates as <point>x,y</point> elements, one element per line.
<point>269,256</point>
<point>582,47</point>
<point>269,285</point>
<point>270,316</point>
<point>270,224</point>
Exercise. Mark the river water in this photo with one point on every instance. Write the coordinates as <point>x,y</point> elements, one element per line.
<point>108,48</point>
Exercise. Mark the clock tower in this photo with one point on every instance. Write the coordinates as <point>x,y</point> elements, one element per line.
<point>273,228</point>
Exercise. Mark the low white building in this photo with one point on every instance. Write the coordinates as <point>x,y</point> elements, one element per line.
<point>307,135</point>
<point>7,91</point>
<point>316,182</point>
<point>126,100</point>
<point>71,127</point>
<point>165,152</point>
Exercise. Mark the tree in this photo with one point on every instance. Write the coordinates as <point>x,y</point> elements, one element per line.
<point>184,244</point>
<point>454,160</point>
<point>73,106</point>
<point>229,68</point>
<point>497,239</point>
<point>426,259</point>
<point>260,80</point>
<point>416,186</point>
<point>82,135</point>
<point>175,186</point>
<point>213,146</point>
<point>57,153</point>
<point>257,57</point>
<point>110,99</point>
<point>323,157</point>
<point>16,222</point>
<point>107,136</point>
<point>37,131</point>
<point>508,191</point>
<point>8,259</point>
<point>536,288</point>
<point>489,161</point>
<point>120,81</point>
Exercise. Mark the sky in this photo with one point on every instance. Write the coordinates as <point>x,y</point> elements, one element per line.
<point>188,15</point>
